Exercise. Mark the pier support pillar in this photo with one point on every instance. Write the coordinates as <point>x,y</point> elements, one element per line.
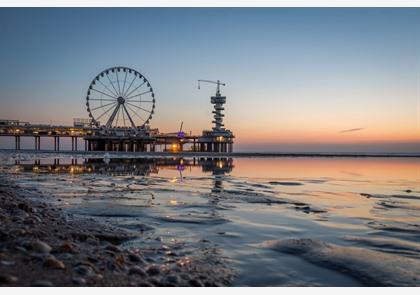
<point>57,143</point>
<point>74,143</point>
<point>37,143</point>
<point>17,142</point>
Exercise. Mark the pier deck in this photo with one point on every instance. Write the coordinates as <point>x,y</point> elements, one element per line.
<point>95,140</point>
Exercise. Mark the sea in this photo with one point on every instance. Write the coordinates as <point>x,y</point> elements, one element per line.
<point>274,221</point>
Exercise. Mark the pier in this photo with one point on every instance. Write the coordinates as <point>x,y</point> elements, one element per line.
<point>121,103</point>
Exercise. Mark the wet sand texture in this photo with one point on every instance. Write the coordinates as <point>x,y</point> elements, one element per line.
<point>42,246</point>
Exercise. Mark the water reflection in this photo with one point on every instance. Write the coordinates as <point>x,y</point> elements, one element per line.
<point>131,166</point>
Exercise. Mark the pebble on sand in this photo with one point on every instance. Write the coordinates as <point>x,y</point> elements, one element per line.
<point>40,247</point>
<point>78,280</point>
<point>67,248</point>
<point>7,279</point>
<point>53,262</point>
<point>83,270</point>
<point>42,283</point>
<point>136,270</point>
<point>153,270</point>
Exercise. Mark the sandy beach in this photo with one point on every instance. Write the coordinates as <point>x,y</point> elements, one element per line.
<point>42,246</point>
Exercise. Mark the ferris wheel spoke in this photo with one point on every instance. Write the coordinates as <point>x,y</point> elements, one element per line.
<point>150,101</point>
<point>129,117</point>
<point>102,106</point>
<point>116,95</point>
<point>112,84</point>
<point>125,80</point>
<point>139,94</point>
<point>135,113</point>
<point>102,93</point>
<point>123,115</point>
<point>144,82</point>
<point>105,112</point>
<point>118,82</point>
<point>130,86</point>
<point>103,99</point>
<point>139,108</point>
<point>112,117</point>
<point>118,116</point>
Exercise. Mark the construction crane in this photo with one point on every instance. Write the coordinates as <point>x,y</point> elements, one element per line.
<point>181,134</point>
<point>213,82</point>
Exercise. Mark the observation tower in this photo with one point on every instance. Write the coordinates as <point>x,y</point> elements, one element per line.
<point>219,139</point>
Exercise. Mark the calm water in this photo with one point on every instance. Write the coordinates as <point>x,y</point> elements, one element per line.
<point>354,221</point>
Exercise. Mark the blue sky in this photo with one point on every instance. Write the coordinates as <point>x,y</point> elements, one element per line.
<point>295,77</point>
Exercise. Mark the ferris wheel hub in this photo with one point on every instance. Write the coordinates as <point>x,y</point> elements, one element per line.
<point>121,100</point>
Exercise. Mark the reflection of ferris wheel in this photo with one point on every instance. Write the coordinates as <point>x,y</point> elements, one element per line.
<point>120,97</point>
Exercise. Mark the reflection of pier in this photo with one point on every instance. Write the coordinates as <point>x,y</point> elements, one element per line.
<point>126,166</point>
<point>219,167</point>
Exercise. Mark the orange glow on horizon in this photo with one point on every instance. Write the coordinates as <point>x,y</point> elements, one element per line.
<point>371,168</point>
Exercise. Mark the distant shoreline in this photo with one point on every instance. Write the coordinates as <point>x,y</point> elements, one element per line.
<point>221,155</point>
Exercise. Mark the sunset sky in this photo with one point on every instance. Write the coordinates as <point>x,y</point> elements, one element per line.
<point>301,79</point>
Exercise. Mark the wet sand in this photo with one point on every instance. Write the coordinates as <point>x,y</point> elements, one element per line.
<point>42,246</point>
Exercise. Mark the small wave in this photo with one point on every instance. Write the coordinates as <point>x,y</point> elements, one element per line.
<point>195,219</point>
<point>411,197</point>
<point>395,226</point>
<point>372,268</point>
<point>308,209</point>
<point>290,183</point>
<point>251,197</point>
<point>379,196</point>
<point>387,245</point>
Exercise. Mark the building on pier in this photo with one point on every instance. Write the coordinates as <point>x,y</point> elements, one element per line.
<point>219,139</point>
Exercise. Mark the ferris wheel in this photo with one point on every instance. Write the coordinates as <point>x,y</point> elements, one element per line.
<point>120,97</point>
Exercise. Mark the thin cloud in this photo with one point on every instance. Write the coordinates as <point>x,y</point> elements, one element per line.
<point>351,130</point>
